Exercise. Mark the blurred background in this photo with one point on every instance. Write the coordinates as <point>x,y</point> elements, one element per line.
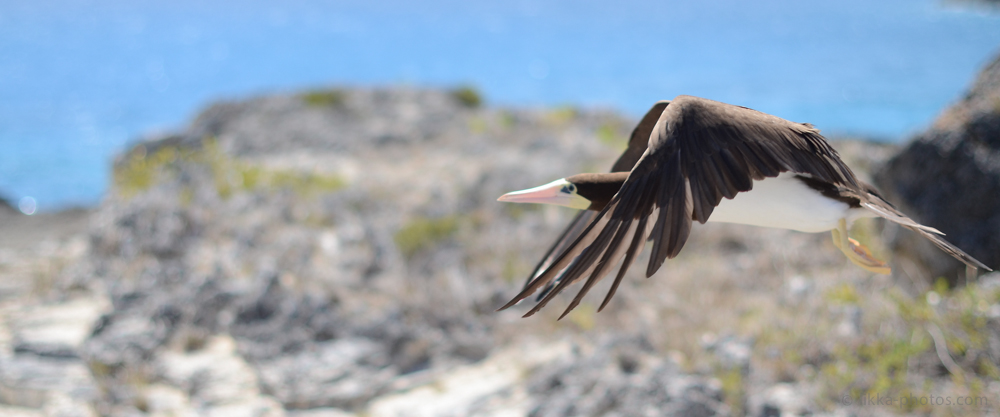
<point>80,79</point>
<point>289,209</point>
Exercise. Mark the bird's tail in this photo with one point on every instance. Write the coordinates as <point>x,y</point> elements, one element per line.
<point>883,209</point>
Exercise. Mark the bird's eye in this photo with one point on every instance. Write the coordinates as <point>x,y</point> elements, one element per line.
<point>572,188</point>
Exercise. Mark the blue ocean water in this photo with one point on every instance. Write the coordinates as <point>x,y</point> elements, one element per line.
<point>80,79</point>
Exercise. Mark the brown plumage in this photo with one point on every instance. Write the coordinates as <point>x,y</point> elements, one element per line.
<point>683,158</point>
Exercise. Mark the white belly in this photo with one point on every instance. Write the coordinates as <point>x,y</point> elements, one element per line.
<point>785,202</point>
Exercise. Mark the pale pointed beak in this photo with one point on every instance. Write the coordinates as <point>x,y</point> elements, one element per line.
<point>541,194</point>
<point>551,193</point>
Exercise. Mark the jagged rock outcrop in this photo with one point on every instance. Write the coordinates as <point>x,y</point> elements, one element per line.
<point>949,177</point>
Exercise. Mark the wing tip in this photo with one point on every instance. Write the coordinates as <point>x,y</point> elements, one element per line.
<point>978,265</point>
<point>509,304</point>
<point>566,312</point>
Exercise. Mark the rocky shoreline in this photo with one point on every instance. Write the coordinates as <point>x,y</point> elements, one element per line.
<point>339,252</point>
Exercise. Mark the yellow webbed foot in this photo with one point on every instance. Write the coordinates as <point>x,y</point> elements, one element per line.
<point>866,260</point>
<point>856,252</point>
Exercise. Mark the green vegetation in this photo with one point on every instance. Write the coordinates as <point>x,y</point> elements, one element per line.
<point>608,135</point>
<point>733,392</point>
<point>844,294</point>
<point>584,317</point>
<point>467,96</point>
<point>902,345</point>
<point>875,366</point>
<point>561,115</point>
<point>324,98</point>
<point>478,125</point>
<point>140,171</point>
<point>945,327</point>
<point>507,119</point>
<point>514,268</point>
<point>517,211</point>
<point>422,233</point>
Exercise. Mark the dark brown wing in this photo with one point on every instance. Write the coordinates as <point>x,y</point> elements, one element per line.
<point>636,147</point>
<point>699,151</point>
<point>583,219</point>
<point>639,139</point>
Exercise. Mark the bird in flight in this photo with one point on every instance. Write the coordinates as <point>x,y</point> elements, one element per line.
<point>694,159</point>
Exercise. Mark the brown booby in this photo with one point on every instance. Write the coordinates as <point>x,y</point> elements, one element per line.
<point>694,159</point>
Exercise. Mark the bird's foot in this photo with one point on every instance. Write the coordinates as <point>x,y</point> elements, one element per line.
<point>856,252</point>
<point>863,257</point>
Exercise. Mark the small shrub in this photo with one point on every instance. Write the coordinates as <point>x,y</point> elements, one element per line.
<point>467,96</point>
<point>477,125</point>
<point>561,115</point>
<point>733,391</point>
<point>843,294</point>
<point>139,171</point>
<point>324,98</point>
<point>608,135</point>
<point>421,234</point>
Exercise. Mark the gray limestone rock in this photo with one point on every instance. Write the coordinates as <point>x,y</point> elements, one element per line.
<point>30,381</point>
<point>345,373</point>
<point>623,378</point>
<point>59,330</point>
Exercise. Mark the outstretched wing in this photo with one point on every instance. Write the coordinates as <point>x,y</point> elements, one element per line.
<point>639,139</point>
<point>636,147</point>
<point>698,152</point>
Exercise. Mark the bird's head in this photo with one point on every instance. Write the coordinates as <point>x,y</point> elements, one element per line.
<point>581,191</point>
